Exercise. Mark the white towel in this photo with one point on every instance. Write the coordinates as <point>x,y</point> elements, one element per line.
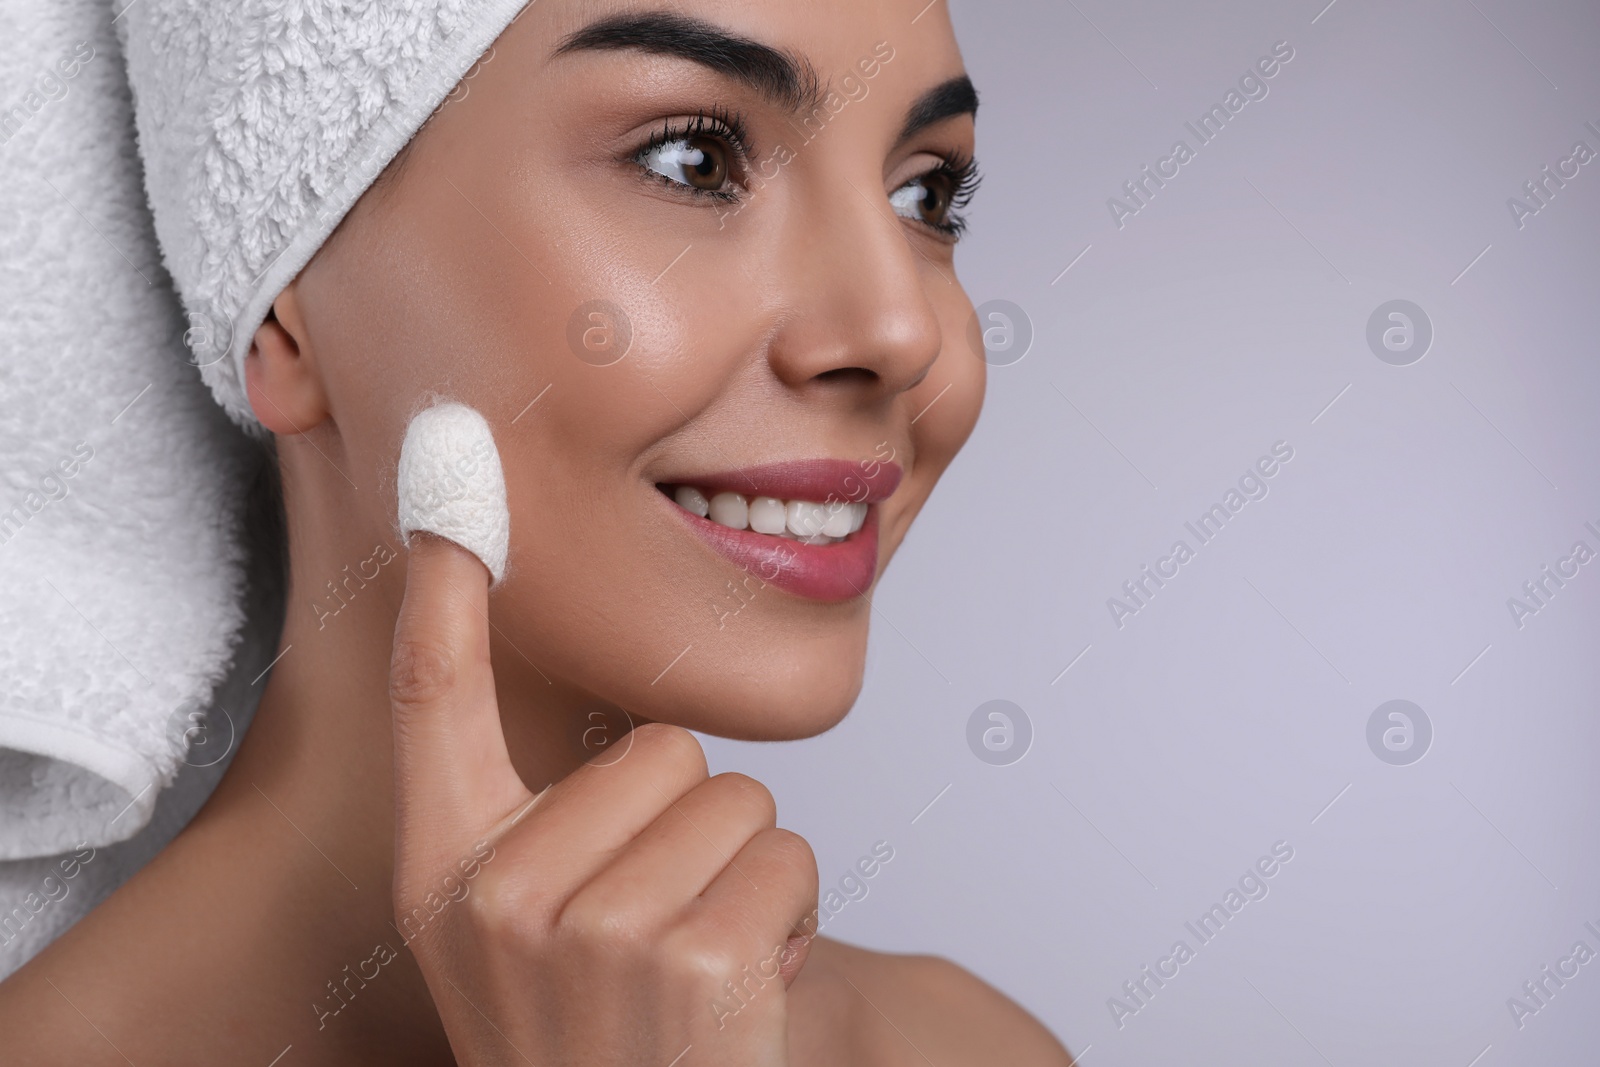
<point>121,570</point>
<point>122,566</point>
<point>262,122</point>
<point>38,901</point>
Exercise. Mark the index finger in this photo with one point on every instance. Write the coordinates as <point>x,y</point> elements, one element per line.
<point>453,778</point>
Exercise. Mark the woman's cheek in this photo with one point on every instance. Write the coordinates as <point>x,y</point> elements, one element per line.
<point>962,374</point>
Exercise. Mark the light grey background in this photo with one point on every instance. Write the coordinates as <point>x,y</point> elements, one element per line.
<point>1228,714</point>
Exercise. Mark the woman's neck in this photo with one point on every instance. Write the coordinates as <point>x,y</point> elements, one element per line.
<point>270,915</point>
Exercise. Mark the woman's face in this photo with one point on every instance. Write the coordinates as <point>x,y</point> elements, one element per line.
<point>676,260</point>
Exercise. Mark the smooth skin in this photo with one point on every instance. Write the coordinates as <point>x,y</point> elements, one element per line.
<point>421,854</point>
<point>602,927</point>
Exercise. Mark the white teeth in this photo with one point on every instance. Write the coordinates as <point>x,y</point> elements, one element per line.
<point>730,510</point>
<point>838,519</point>
<point>691,499</point>
<point>768,515</point>
<point>805,521</point>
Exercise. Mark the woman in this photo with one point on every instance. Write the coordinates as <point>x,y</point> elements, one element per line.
<point>692,267</point>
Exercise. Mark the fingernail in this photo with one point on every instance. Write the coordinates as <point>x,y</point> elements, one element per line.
<point>451,483</point>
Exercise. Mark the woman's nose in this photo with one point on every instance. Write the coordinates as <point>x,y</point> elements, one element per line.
<point>858,310</point>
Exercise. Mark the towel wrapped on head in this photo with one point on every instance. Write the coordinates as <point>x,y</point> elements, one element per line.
<point>168,166</point>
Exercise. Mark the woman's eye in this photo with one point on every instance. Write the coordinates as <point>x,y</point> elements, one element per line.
<point>926,199</point>
<point>697,161</point>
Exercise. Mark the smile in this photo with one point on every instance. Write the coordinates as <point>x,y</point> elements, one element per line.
<point>805,521</point>
<point>808,527</point>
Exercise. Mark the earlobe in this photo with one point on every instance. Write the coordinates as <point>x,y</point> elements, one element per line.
<point>281,380</point>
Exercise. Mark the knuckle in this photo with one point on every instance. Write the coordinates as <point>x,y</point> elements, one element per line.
<point>791,851</point>
<point>499,907</point>
<point>754,797</point>
<point>597,921</point>
<point>421,671</point>
<point>699,961</point>
<point>673,745</point>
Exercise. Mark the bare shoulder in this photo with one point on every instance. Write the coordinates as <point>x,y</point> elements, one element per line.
<point>874,1009</point>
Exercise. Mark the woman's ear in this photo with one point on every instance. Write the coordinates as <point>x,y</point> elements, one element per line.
<point>286,392</point>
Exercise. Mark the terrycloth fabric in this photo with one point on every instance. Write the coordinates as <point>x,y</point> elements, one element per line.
<point>38,899</point>
<point>262,122</point>
<point>450,483</point>
<point>120,481</point>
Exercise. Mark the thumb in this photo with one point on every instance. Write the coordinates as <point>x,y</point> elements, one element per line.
<point>453,774</point>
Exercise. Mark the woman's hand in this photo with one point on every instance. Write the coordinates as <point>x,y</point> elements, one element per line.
<point>635,913</point>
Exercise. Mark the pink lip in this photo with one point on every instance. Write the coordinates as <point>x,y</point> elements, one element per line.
<point>833,572</point>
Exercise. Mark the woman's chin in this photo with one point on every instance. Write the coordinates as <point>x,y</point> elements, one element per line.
<point>760,706</point>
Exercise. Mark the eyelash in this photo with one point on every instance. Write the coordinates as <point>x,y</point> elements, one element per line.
<point>962,170</point>
<point>729,126</point>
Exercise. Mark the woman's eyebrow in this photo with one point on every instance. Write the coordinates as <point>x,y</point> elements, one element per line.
<point>787,80</point>
<point>945,100</point>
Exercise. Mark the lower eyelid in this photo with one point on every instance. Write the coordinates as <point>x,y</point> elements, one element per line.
<point>656,178</point>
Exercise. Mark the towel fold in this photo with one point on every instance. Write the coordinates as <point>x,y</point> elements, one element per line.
<point>121,483</point>
<point>134,273</point>
<point>262,122</point>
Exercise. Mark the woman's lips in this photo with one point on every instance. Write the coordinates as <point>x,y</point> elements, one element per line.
<point>835,571</point>
<point>821,572</point>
